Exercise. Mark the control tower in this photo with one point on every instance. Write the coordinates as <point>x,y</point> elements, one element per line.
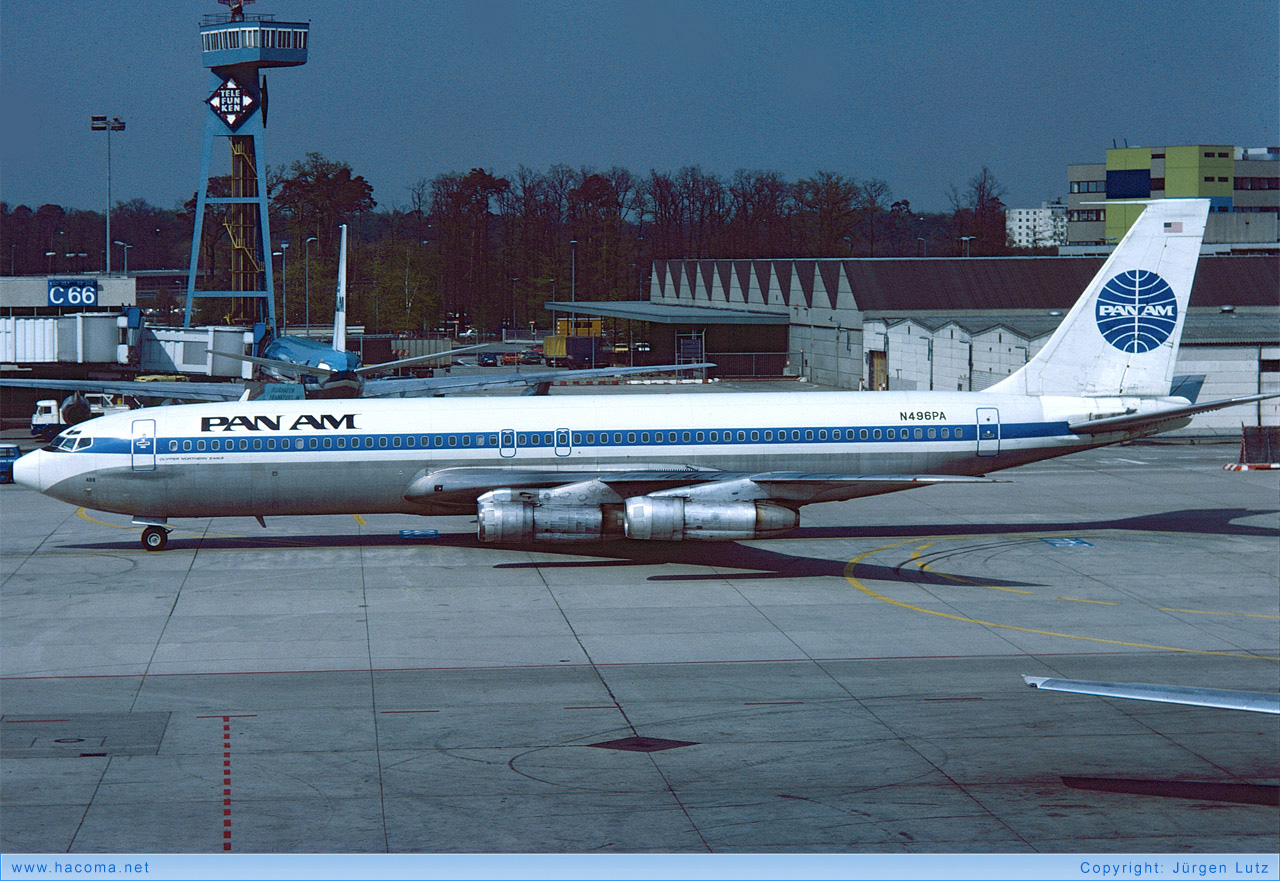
<point>236,47</point>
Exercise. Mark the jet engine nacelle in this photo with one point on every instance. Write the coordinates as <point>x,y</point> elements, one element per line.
<point>514,522</point>
<point>650,518</point>
<point>75,409</point>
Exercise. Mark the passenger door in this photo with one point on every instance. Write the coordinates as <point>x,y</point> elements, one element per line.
<point>143,448</point>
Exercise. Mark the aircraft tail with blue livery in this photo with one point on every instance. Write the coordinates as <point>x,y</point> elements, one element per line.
<point>1121,337</point>
<point>655,467</point>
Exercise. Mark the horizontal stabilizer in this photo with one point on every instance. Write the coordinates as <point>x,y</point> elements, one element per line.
<point>1133,421</point>
<point>1187,386</point>
<point>282,366</point>
<point>1219,698</point>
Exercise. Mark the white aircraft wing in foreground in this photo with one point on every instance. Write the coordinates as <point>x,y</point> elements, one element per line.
<point>1218,698</point>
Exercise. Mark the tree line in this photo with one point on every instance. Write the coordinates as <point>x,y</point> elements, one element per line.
<point>488,250</point>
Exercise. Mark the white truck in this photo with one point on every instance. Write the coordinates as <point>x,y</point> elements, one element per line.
<point>51,418</point>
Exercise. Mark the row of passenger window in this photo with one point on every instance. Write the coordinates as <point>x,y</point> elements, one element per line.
<point>326,443</point>
<point>548,439</point>
<point>781,435</point>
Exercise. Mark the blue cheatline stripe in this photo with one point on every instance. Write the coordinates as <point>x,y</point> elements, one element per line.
<point>592,440</point>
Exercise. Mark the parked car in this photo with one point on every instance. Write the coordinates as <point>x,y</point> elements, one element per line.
<point>529,356</point>
<point>9,454</point>
<point>487,359</point>
<point>510,358</point>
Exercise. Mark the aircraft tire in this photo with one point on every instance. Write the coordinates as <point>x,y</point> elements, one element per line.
<point>154,538</point>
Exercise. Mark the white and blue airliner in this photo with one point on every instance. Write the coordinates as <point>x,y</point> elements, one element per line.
<point>653,467</point>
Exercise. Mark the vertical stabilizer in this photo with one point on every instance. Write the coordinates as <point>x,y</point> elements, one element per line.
<point>1121,337</point>
<point>340,302</point>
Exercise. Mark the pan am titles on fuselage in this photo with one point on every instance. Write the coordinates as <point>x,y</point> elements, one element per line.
<point>654,467</point>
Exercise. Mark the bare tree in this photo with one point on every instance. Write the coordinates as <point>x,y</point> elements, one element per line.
<point>872,200</point>
<point>827,208</point>
<point>978,211</point>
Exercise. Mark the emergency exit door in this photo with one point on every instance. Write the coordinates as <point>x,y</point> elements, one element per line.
<point>988,431</point>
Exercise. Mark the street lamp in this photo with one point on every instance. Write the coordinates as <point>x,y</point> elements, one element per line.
<point>966,240</point>
<point>126,255</point>
<point>514,279</point>
<point>284,305</point>
<point>284,271</point>
<point>50,255</point>
<point>306,269</point>
<point>924,246</point>
<point>102,124</point>
<point>573,284</point>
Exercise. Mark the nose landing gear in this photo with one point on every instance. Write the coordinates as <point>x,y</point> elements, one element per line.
<point>154,538</point>
<point>156,534</point>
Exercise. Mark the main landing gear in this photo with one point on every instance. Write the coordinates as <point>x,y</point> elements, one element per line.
<point>154,538</point>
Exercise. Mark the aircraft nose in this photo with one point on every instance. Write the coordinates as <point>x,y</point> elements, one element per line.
<point>26,471</point>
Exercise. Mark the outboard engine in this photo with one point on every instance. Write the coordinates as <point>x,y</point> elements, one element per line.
<point>664,518</point>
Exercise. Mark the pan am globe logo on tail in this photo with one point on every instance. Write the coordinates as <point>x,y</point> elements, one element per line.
<point>1136,311</point>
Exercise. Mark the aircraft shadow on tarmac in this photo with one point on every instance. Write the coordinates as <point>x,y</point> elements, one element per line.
<point>766,562</point>
<point>1232,793</point>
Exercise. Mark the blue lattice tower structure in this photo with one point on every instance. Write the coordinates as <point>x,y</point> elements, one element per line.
<point>236,48</point>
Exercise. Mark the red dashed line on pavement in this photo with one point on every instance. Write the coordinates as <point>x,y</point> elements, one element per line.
<point>226,772</point>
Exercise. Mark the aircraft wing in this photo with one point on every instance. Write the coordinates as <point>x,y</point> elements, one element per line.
<point>1129,421</point>
<point>537,381</point>
<point>185,391</point>
<point>417,359</point>
<point>787,487</point>
<point>1218,698</point>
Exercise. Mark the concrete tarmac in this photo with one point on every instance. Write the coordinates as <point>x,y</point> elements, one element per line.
<point>351,684</point>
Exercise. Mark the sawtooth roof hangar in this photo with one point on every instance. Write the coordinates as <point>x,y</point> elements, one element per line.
<point>944,323</point>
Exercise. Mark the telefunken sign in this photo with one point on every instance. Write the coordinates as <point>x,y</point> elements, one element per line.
<point>73,292</point>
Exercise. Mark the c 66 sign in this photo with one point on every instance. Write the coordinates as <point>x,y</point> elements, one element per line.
<point>73,292</point>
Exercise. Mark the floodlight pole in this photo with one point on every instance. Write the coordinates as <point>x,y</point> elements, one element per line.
<point>102,124</point>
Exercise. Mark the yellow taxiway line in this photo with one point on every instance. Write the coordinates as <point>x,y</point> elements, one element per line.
<point>848,574</point>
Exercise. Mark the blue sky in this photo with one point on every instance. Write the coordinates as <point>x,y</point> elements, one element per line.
<point>921,94</point>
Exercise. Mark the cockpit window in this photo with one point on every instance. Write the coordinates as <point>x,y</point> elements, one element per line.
<point>66,442</point>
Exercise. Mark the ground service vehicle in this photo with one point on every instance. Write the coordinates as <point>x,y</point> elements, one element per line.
<point>9,454</point>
